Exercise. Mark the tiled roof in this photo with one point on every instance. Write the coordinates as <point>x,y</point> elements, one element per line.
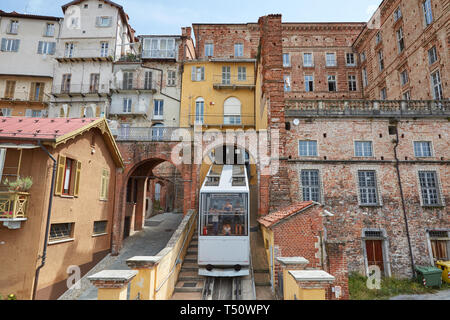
<point>14,14</point>
<point>275,217</point>
<point>40,128</point>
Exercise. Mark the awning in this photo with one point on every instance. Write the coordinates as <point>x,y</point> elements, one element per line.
<point>17,146</point>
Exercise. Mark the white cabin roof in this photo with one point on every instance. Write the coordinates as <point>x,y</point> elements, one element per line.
<point>225,183</point>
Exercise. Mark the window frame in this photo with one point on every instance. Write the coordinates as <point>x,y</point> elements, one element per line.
<point>309,83</point>
<point>312,149</point>
<point>209,48</point>
<point>362,152</point>
<point>127,106</point>
<point>368,190</point>
<point>305,64</point>
<point>239,49</point>
<point>70,236</point>
<point>428,12</point>
<point>425,202</point>
<point>351,64</point>
<point>171,78</point>
<point>352,83</point>
<point>419,151</point>
<point>242,73</point>
<point>332,78</point>
<point>432,53</point>
<point>310,189</point>
<point>400,40</point>
<point>286,62</point>
<point>328,54</point>
<point>439,95</point>
<point>103,231</point>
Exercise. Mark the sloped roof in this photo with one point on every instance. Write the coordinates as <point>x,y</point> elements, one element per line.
<point>56,131</point>
<point>282,214</point>
<point>15,14</point>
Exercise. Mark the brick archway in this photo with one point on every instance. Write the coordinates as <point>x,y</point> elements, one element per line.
<point>140,158</point>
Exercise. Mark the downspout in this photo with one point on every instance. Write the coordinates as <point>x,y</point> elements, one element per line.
<point>47,228</point>
<point>397,167</point>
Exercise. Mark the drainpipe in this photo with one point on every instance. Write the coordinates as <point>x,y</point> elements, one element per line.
<point>397,161</point>
<point>47,228</point>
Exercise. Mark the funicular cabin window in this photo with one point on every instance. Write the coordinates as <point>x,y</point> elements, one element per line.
<point>224,215</point>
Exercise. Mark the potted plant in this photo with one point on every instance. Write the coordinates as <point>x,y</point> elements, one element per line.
<point>20,185</point>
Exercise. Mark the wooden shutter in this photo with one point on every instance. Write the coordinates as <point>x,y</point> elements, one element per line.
<point>97,111</point>
<point>104,185</point>
<point>10,89</point>
<point>41,91</point>
<point>33,91</point>
<point>60,175</point>
<point>76,185</point>
<point>83,112</point>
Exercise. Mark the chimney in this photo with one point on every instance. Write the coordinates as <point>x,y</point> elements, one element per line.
<point>186,32</point>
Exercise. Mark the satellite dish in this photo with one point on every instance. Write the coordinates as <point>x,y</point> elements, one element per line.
<point>296,122</point>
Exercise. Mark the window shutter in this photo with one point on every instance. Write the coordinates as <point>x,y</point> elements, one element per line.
<point>193,74</point>
<point>32,91</point>
<point>10,89</point>
<point>41,90</point>
<point>52,48</point>
<point>40,45</point>
<point>60,175</point>
<point>3,44</point>
<point>97,111</point>
<point>98,21</point>
<point>16,45</point>
<point>203,73</point>
<point>76,184</point>
<point>83,112</point>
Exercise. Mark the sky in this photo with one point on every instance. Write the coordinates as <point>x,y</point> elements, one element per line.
<point>168,16</point>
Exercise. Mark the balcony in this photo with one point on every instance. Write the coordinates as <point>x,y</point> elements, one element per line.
<point>160,54</point>
<point>234,82</point>
<point>74,90</point>
<point>138,85</point>
<point>13,208</point>
<point>85,55</point>
<point>149,134</point>
<point>218,120</point>
<point>368,108</point>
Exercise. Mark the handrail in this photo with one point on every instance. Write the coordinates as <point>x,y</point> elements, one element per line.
<point>179,254</point>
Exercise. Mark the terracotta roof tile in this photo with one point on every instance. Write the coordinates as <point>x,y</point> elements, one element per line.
<point>284,213</point>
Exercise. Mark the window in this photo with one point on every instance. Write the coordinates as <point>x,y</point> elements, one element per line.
<point>50,30</point>
<point>61,231</point>
<point>226,75</point>
<point>437,86</point>
<point>100,227</point>
<point>309,83</point>
<point>127,103</point>
<point>104,46</point>
<point>148,80</point>
<point>397,14</point>
<point>209,49</point>
<point>242,73</point>
<point>432,55</point>
<point>6,112</point>
<point>422,149</point>
<point>350,58</point>
<point>310,185</point>
<point>127,80</point>
<point>286,60</point>
<point>404,79</point>
<point>365,79</point>
<point>68,177</point>
<point>104,187</point>
<point>37,91</point>
<point>363,149</point>
<point>94,84</point>
<point>10,45</point>
<point>332,83</point>
<point>307,148</point>
<point>86,6</point>
<point>232,111</point>
<point>158,109</point>
<point>378,38</point>
<point>352,83</point>
<point>239,50</point>
<point>30,113</point>
<point>10,89</point>
<point>65,85</point>
<point>440,245</point>
<point>363,56</point>
<point>159,48</point>
<point>45,47</point>
<point>69,48</point>
<point>171,78</point>
<point>198,74</point>
<point>430,190</point>
<point>331,59</point>
<point>308,60</point>
<point>199,110</point>
<point>406,96</point>
<point>400,40</point>
<point>383,94</point>
<point>157,132</point>
<point>380,60</point>
<point>426,5</point>
<point>287,83</point>
<point>104,21</point>
<point>13,27</point>
<point>368,194</point>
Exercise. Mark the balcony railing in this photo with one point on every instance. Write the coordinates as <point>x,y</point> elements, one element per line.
<point>138,84</point>
<point>374,108</point>
<point>86,54</point>
<point>78,89</point>
<point>149,134</point>
<point>234,81</point>
<point>227,120</point>
<point>159,54</point>
<point>13,205</point>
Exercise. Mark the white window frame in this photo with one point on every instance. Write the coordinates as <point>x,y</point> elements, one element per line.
<point>11,45</point>
<point>171,78</point>
<point>310,187</point>
<point>400,40</point>
<point>199,106</point>
<point>286,59</point>
<point>378,202</point>
<point>438,187</point>
<point>209,49</point>
<point>308,63</point>
<point>352,83</point>
<point>419,150</point>
<point>363,152</point>
<point>312,149</point>
<point>333,79</point>
<point>242,73</point>
<point>331,62</point>
<point>13,27</point>
<point>158,109</point>
<point>428,12</point>
<point>238,49</point>
<point>69,49</point>
<point>309,79</point>
<point>226,75</point>
<point>432,55</point>
<point>198,73</point>
<point>101,21</point>
<point>104,49</point>
<point>436,85</point>
<point>352,62</point>
<point>365,78</point>
<point>127,105</point>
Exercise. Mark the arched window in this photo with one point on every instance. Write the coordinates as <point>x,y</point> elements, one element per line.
<point>199,110</point>
<point>157,132</point>
<point>232,111</point>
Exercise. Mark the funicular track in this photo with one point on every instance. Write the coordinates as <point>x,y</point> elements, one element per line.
<point>222,289</point>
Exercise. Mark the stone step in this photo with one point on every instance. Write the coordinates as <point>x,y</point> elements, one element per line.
<point>189,286</point>
<point>189,266</point>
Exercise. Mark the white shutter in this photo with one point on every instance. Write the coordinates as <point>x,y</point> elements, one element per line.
<point>193,72</point>
<point>2,161</point>
<point>3,48</point>
<point>16,45</point>
<point>40,45</point>
<point>232,106</point>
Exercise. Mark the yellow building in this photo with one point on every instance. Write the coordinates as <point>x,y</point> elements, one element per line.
<point>218,93</point>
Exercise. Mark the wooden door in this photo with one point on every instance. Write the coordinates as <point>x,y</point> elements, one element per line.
<point>374,249</point>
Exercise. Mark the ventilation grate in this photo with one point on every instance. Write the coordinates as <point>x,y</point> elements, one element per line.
<point>373,234</point>
<point>438,234</point>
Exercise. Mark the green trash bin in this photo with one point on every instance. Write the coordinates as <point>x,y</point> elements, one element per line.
<point>429,276</point>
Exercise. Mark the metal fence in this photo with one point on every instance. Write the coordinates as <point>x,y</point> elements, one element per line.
<point>151,134</point>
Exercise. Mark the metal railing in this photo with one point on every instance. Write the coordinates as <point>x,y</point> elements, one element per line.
<point>234,80</point>
<point>149,134</point>
<point>13,205</point>
<point>367,107</point>
<point>221,120</point>
<point>136,84</point>
<point>80,89</point>
<point>76,53</point>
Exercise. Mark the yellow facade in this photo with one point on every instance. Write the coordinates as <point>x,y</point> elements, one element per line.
<point>214,90</point>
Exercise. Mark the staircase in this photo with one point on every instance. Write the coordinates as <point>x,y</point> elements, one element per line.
<point>190,284</point>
